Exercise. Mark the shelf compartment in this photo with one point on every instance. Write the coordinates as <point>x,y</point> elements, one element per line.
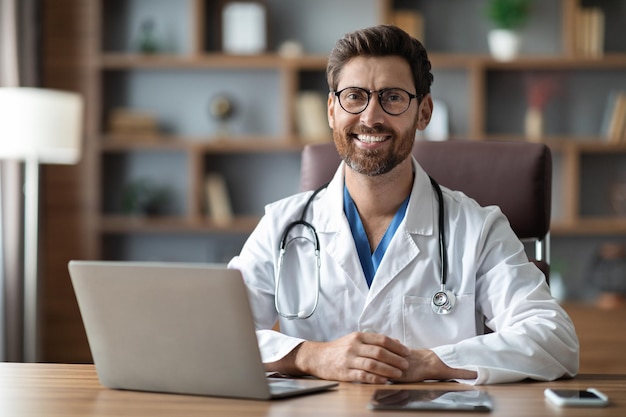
<point>122,22</point>
<point>572,109</point>
<point>139,181</point>
<point>600,172</point>
<point>180,100</point>
<point>542,34</point>
<point>254,180</point>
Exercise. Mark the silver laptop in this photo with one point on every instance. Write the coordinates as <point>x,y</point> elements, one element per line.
<point>175,328</point>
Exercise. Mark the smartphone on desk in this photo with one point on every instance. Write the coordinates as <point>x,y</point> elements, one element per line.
<point>431,399</point>
<point>589,397</point>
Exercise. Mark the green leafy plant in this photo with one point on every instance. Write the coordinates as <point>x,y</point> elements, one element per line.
<point>508,14</point>
<point>144,197</point>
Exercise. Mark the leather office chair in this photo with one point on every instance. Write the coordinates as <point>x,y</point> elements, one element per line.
<point>516,176</point>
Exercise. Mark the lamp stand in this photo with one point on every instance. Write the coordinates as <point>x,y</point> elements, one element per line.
<point>31,259</point>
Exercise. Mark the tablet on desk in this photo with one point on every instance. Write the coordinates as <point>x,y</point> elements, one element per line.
<point>431,399</point>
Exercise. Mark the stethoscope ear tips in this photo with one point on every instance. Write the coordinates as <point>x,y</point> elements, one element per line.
<point>443,302</point>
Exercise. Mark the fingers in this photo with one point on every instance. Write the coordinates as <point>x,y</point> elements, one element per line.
<point>357,357</point>
<point>378,357</point>
<point>392,345</point>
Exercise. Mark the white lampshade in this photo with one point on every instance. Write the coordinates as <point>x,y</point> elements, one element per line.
<point>40,123</point>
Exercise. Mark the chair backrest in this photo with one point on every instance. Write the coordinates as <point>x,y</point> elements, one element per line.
<point>516,176</point>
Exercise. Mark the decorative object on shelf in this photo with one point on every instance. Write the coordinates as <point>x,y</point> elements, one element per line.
<point>244,27</point>
<point>411,21</point>
<point>507,16</point>
<point>539,90</point>
<point>608,275</point>
<point>311,118</point>
<point>133,125</point>
<point>533,124</point>
<point>148,43</point>
<point>144,197</point>
<point>291,49</point>
<point>438,128</point>
<point>589,32</point>
<point>613,127</point>
<point>222,108</point>
<point>217,200</point>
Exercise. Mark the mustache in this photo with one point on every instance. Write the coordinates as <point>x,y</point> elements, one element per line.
<point>377,130</point>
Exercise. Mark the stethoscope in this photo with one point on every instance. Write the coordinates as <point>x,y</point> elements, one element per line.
<point>442,302</point>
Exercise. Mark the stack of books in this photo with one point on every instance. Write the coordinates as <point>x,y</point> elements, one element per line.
<point>589,30</point>
<point>133,124</point>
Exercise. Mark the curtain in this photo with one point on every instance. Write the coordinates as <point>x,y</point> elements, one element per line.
<point>18,67</point>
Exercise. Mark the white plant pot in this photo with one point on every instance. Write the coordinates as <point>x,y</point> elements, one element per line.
<point>504,44</point>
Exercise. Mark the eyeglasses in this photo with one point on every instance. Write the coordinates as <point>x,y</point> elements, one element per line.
<point>394,101</point>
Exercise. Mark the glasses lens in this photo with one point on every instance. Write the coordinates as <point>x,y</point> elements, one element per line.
<point>353,99</point>
<point>394,100</point>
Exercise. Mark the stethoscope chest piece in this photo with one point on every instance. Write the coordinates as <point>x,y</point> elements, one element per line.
<point>443,301</point>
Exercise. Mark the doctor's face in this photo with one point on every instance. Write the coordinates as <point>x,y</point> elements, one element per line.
<point>373,142</point>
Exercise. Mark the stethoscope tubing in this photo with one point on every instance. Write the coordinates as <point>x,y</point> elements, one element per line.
<point>443,301</point>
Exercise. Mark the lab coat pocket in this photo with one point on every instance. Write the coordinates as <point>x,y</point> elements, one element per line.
<point>423,328</point>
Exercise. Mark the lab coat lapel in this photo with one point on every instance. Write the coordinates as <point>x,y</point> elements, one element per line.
<point>332,223</point>
<point>419,219</point>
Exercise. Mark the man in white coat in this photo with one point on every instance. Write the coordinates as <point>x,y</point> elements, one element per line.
<point>364,311</point>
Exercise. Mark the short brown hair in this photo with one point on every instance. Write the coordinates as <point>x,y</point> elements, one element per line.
<point>382,40</point>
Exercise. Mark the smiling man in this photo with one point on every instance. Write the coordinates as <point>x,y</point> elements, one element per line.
<point>352,272</point>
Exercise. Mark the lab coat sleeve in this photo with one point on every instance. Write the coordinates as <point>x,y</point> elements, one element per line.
<point>257,262</point>
<point>533,337</point>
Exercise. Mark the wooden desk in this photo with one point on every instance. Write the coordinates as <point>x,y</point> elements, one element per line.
<point>602,338</point>
<point>45,390</point>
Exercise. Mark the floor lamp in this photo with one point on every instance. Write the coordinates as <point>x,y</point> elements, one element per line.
<point>37,126</point>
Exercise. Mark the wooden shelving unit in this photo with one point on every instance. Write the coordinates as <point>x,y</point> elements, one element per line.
<point>476,68</point>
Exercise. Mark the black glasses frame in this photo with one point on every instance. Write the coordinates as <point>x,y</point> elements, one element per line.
<point>380,99</point>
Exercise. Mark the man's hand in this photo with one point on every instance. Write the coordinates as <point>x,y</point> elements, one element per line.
<point>366,357</point>
<point>357,357</point>
<point>425,365</point>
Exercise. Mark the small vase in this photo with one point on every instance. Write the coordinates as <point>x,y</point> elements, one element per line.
<point>504,44</point>
<point>533,125</point>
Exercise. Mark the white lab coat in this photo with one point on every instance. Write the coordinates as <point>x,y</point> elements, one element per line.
<point>488,271</point>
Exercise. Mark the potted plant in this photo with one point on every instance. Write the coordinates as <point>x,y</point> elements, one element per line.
<point>507,16</point>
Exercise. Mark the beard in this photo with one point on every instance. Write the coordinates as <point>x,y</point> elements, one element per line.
<point>373,162</point>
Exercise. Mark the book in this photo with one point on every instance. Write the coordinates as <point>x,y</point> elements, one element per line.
<point>607,116</point>
<point>579,31</point>
<point>217,200</point>
<point>620,122</point>
<point>614,120</point>
<point>589,25</point>
<point>596,32</point>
